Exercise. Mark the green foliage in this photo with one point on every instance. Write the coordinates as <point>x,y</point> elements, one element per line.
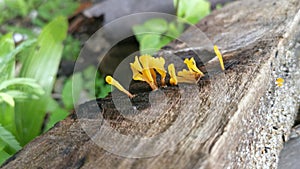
<point>192,10</point>
<point>24,100</point>
<point>94,83</point>
<point>56,113</point>
<point>50,9</point>
<point>156,33</point>
<point>89,82</point>
<point>41,64</point>
<point>8,144</point>
<point>13,8</point>
<point>40,13</point>
<point>12,89</point>
<point>46,10</point>
<point>71,49</point>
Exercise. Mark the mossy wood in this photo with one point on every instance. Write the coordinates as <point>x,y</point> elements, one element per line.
<point>240,119</point>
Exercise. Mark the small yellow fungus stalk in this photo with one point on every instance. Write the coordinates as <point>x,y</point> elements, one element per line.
<point>110,80</point>
<point>219,55</point>
<point>172,73</point>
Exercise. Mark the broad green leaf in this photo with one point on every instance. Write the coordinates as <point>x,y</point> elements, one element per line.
<point>71,90</point>
<point>157,25</point>
<point>7,98</point>
<point>175,30</point>
<point>4,156</point>
<point>9,139</point>
<point>9,58</point>
<point>192,10</point>
<point>150,43</point>
<point>182,7</point>
<point>164,40</point>
<point>139,31</point>
<point>6,68</point>
<point>197,10</point>
<point>42,65</point>
<point>7,117</point>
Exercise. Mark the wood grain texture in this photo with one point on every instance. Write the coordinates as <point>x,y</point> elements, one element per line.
<point>239,119</point>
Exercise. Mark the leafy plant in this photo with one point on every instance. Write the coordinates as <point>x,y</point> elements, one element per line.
<point>12,90</point>
<point>46,11</point>
<point>41,63</point>
<point>37,13</point>
<point>41,12</point>
<point>156,33</point>
<point>192,10</point>
<point>8,144</point>
<point>87,82</point>
<point>24,99</point>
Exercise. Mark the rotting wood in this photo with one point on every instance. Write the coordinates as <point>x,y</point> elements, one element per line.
<point>240,119</point>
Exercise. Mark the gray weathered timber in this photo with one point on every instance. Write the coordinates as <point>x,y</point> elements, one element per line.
<point>240,119</point>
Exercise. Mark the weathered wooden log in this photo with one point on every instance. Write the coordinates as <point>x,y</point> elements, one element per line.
<point>239,119</point>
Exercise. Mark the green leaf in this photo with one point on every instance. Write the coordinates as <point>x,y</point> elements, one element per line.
<point>4,156</point>
<point>157,25</point>
<point>150,43</point>
<point>20,95</point>
<point>139,31</point>
<point>8,56</point>
<point>7,117</point>
<point>9,140</point>
<point>7,98</point>
<point>54,8</point>
<point>200,10</point>
<point>71,90</point>
<point>41,64</point>
<point>193,10</point>
<point>7,65</point>
<point>22,82</point>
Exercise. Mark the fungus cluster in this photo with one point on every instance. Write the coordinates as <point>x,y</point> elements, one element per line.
<point>145,68</point>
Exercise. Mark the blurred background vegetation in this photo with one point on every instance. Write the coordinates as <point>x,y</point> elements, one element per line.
<point>36,47</point>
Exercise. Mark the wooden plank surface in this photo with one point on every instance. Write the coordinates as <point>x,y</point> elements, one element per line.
<point>236,119</point>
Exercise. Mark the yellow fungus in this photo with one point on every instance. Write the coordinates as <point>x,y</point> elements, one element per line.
<point>172,73</point>
<point>191,64</point>
<point>279,81</point>
<point>219,55</point>
<point>110,80</point>
<point>144,60</point>
<point>186,76</point>
<point>136,70</point>
<point>158,64</point>
<point>144,72</point>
